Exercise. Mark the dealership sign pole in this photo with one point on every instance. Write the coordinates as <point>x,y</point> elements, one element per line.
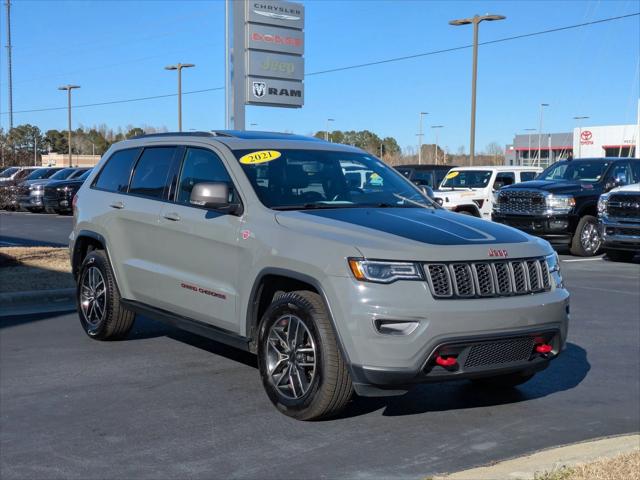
<point>264,56</point>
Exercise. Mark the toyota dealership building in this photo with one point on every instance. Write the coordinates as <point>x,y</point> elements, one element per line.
<point>583,142</point>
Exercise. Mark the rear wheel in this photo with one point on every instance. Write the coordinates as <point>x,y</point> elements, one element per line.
<point>302,369</point>
<point>620,255</point>
<point>509,380</point>
<point>101,314</point>
<point>586,240</point>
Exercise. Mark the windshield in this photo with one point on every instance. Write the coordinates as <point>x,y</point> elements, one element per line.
<point>84,175</point>
<point>467,179</point>
<point>41,173</point>
<point>301,179</point>
<point>62,174</point>
<point>580,170</point>
<point>8,172</point>
<point>78,173</point>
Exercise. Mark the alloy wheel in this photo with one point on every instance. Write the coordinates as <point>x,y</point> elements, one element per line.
<point>590,238</point>
<point>291,356</point>
<point>93,298</point>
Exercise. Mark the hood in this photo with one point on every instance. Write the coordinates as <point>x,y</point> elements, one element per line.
<point>412,233</point>
<point>554,186</point>
<point>460,194</point>
<point>64,183</point>
<point>633,188</point>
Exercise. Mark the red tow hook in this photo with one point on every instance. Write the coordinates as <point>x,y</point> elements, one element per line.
<point>446,362</point>
<point>544,348</point>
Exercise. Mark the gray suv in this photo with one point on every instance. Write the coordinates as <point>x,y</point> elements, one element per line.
<point>259,241</point>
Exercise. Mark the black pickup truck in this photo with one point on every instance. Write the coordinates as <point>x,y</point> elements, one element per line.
<point>561,204</point>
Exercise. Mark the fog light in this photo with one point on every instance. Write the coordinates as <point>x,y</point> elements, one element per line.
<point>446,362</point>
<point>395,327</point>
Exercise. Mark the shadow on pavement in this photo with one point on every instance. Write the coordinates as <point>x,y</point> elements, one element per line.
<point>564,373</point>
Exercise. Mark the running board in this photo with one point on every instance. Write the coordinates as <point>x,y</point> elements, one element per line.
<point>188,324</point>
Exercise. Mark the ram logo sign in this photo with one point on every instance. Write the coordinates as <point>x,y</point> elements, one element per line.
<point>277,93</point>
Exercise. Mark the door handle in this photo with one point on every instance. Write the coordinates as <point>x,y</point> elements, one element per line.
<point>174,217</point>
<point>117,205</point>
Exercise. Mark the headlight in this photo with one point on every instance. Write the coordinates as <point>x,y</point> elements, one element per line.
<point>560,203</point>
<point>383,272</point>
<point>553,264</point>
<point>602,204</point>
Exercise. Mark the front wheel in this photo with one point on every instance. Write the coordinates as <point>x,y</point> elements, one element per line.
<point>301,366</point>
<point>586,239</point>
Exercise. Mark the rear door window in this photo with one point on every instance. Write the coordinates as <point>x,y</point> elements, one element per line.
<point>114,176</point>
<point>503,179</point>
<point>151,175</point>
<point>527,176</point>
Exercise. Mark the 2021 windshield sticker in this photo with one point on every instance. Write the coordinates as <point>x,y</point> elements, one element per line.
<point>261,156</point>
<point>451,175</point>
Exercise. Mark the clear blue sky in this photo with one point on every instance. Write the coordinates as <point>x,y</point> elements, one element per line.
<point>117,50</point>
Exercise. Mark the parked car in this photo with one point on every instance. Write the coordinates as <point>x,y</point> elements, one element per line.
<point>28,193</point>
<point>8,181</point>
<point>429,175</point>
<point>561,204</point>
<point>258,240</point>
<point>471,190</point>
<point>619,217</point>
<point>58,195</point>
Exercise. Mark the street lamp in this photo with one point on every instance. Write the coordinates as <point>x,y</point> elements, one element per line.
<point>542,105</point>
<point>582,117</point>
<point>422,114</point>
<point>68,88</point>
<point>179,67</point>
<point>435,146</point>
<point>326,133</point>
<point>475,20</point>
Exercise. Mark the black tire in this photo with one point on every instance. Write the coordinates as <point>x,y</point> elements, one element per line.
<point>509,380</point>
<point>330,388</point>
<point>50,210</point>
<point>588,247</point>
<point>620,255</point>
<point>115,321</point>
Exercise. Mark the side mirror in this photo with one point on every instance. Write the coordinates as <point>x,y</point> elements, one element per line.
<point>428,191</point>
<point>211,195</point>
<point>613,183</point>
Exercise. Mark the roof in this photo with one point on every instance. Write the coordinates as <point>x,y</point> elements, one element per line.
<point>241,134</point>
<point>500,168</point>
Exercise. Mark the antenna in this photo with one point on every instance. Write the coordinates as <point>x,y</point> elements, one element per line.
<point>9,72</point>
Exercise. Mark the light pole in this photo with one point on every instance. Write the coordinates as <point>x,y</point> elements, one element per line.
<point>582,117</point>
<point>435,147</point>
<point>68,88</point>
<point>326,133</point>
<point>542,105</point>
<point>179,67</point>
<point>475,20</point>
<point>529,150</point>
<point>422,114</point>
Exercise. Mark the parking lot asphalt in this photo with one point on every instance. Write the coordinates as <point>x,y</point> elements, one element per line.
<point>167,404</point>
<point>34,229</point>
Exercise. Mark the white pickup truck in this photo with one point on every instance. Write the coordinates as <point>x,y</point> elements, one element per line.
<point>470,190</point>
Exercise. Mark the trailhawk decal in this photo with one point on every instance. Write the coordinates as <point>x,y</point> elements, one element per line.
<point>427,226</point>
<point>204,291</point>
<point>261,156</point>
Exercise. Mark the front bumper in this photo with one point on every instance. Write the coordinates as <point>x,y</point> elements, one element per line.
<point>620,235</point>
<point>556,229</point>
<point>62,203</point>
<point>30,201</point>
<point>383,362</point>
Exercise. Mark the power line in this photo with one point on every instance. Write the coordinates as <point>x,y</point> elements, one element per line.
<point>352,67</point>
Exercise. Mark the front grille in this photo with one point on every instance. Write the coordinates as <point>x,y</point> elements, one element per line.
<point>488,279</point>
<point>624,206</point>
<point>500,352</point>
<point>521,202</point>
<point>50,194</point>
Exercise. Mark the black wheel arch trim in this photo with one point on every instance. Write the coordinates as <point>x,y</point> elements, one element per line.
<point>254,300</point>
<point>76,261</point>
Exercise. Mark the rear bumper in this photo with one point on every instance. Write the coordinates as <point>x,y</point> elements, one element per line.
<point>556,229</point>
<point>618,235</point>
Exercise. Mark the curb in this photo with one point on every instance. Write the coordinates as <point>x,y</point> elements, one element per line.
<point>37,301</point>
<point>526,467</point>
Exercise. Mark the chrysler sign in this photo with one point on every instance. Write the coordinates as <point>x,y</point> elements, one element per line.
<point>270,12</point>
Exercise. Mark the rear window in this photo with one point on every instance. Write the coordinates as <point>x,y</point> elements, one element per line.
<point>114,177</point>
<point>152,171</point>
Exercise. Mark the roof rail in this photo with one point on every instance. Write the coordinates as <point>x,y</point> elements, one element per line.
<point>174,134</point>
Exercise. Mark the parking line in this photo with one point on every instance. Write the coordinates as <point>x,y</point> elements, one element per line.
<point>582,260</point>
<point>635,294</point>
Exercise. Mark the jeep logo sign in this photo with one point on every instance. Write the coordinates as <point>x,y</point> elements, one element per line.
<point>275,65</point>
<point>277,93</point>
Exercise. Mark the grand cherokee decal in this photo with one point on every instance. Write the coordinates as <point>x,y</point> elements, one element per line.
<point>204,291</point>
